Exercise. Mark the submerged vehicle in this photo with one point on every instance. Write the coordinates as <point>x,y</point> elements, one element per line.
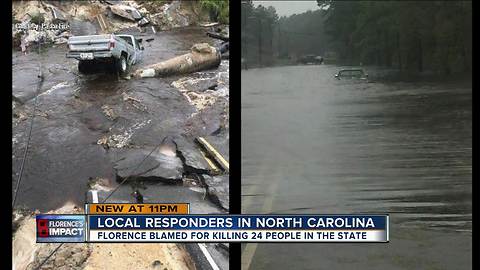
<point>310,59</point>
<point>351,74</point>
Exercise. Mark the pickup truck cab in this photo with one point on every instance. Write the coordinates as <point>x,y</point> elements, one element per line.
<point>122,51</point>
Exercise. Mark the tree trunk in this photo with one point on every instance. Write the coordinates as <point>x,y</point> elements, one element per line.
<point>465,60</point>
<point>399,52</point>
<point>420,55</point>
<point>201,57</point>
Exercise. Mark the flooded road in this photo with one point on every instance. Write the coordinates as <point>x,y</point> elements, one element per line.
<point>316,145</point>
<point>76,111</point>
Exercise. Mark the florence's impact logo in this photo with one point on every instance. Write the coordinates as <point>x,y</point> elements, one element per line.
<point>60,228</point>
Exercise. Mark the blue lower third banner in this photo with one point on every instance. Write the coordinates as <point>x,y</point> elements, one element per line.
<point>238,228</point>
<point>60,228</point>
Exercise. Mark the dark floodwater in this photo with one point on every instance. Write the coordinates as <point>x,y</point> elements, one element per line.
<point>314,144</point>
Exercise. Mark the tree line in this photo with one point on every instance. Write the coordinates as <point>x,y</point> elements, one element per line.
<point>413,36</point>
<point>257,33</point>
<point>219,9</point>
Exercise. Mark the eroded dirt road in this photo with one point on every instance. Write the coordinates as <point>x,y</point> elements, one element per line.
<point>86,125</point>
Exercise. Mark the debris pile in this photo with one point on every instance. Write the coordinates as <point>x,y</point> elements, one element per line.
<point>35,21</point>
<point>209,93</point>
<point>99,183</point>
<point>170,16</point>
<point>109,113</point>
<point>203,89</point>
<point>53,22</point>
<point>18,111</point>
<point>174,14</point>
<point>123,139</point>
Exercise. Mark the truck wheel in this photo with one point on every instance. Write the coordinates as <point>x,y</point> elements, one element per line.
<point>122,65</point>
<point>84,67</point>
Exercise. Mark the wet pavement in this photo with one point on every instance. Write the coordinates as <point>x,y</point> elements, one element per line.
<point>85,124</point>
<point>316,145</point>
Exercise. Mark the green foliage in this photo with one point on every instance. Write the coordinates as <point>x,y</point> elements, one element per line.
<point>258,33</point>
<point>218,8</point>
<point>14,20</point>
<point>410,35</point>
<point>37,18</point>
<point>413,36</point>
<point>300,34</point>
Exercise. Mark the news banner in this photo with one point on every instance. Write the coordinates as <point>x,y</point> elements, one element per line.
<point>167,222</point>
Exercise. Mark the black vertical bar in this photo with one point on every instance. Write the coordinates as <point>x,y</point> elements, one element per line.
<point>235,122</point>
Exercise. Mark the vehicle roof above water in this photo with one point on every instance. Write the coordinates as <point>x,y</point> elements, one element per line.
<point>351,71</point>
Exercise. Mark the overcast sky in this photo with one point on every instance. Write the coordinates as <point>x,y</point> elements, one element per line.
<point>287,8</point>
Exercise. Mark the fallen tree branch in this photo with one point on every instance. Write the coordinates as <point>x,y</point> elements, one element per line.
<point>217,36</point>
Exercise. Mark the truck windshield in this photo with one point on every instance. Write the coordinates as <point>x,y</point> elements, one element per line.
<point>128,39</point>
<point>137,45</point>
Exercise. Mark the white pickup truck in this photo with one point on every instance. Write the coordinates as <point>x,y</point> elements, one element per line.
<point>121,51</point>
